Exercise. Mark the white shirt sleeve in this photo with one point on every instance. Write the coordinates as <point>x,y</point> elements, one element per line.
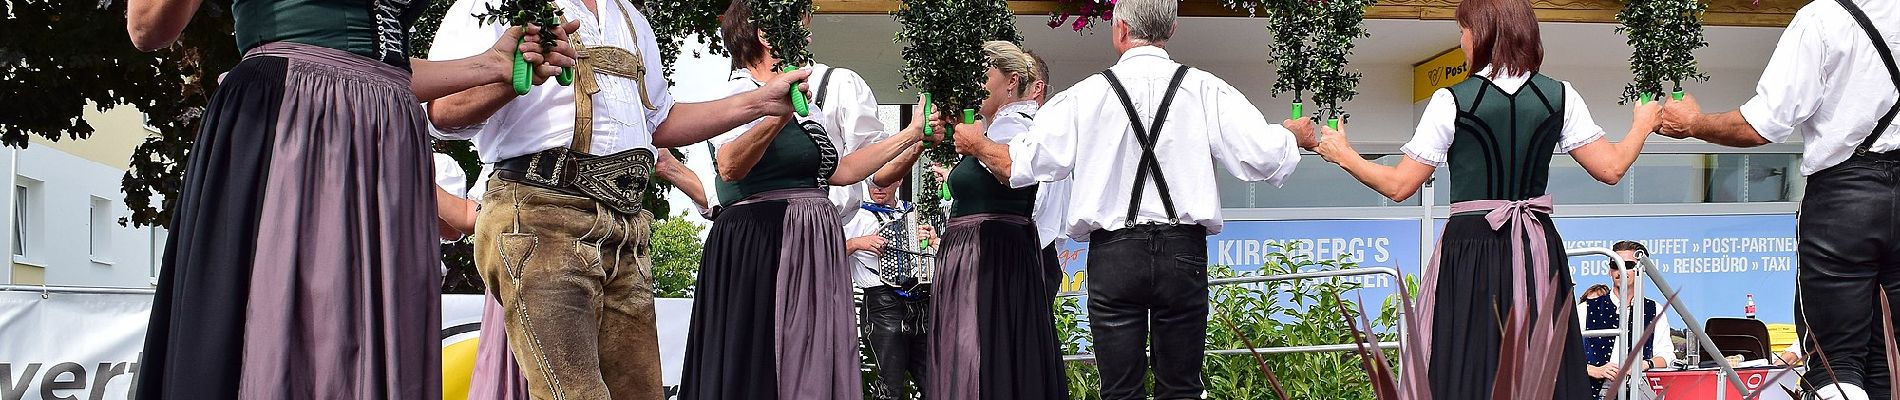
<point>1243,141</point>
<point>862,224</point>
<point>1046,153</point>
<point>733,88</point>
<point>1791,86</point>
<point>463,36</point>
<point>1431,141</point>
<point>450,177</point>
<point>1579,128</point>
<point>854,110</point>
<point>1005,128</point>
<point>1659,344</point>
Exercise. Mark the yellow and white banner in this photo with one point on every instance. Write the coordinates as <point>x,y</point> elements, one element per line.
<point>83,344</point>
<point>1441,71</point>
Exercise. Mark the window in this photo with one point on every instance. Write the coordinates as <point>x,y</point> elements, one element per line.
<point>20,205</point>
<point>99,242</point>
<point>1314,183</point>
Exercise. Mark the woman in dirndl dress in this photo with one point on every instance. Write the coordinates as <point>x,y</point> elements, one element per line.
<point>772,311</point>
<point>303,257</point>
<point>992,324</point>
<point>1497,295</point>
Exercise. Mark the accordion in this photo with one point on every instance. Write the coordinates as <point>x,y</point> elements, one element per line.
<point>905,263</point>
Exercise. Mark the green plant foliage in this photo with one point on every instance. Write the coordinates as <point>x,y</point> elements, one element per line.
<point>522,13</point>
<point>781,21</point>
<point>676,251</point>
<point>422,33</point>
<point>1290,23</point>
<point>1342,22</point>
<point>1664,35</point>
<point>462,277</point>
<point>943,56</point>
<point>171,86</point>
<point>1270,314</point>
<point>1312,42</point>
<point>675,20</point>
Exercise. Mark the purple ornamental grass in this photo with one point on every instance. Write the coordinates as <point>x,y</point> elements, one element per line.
<point>1371,357</point>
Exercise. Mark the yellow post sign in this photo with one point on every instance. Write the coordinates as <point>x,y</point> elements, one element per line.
<point>1441,71</point>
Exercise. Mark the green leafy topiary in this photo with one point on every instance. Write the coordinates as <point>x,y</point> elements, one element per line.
<point>1664,35</point>
<point>675,20</point>
<point>781,21</point>
<point>1341,23</point>
<point>943,56</point>
<point>1312,41</point>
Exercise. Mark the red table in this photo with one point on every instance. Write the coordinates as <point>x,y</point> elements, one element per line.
<point>1703,384</point>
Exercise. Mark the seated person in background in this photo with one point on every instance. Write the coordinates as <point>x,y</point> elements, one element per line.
<point>1606,354</point>
<point>1790,356</point>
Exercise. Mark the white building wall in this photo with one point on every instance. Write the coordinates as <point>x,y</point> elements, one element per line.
<point>59,224</point>
<point>65,179</point>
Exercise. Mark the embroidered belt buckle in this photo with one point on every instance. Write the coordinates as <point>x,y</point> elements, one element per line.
<point>547,168</point>
<point>617,180</point>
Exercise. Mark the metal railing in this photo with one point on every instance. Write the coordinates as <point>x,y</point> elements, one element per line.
<point>1397,277</point>
<point>1649,270</point>
<point>51,290</point>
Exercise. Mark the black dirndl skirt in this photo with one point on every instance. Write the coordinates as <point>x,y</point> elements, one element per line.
<point>992,321</point>
<point>773,316</point>
<point>1475,278</point>
<point>303,261</point>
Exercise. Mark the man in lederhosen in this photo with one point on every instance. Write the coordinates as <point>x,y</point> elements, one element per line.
<point>888,251</point>
<point>1832,79</point>
<point>561,238</point>
<point>1148,121</point>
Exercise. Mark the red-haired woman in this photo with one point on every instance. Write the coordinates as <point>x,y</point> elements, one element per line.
<point>1493,301</point>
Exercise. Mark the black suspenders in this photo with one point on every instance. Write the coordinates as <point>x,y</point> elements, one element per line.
<point>1148,136</point>
<point>824,87</point>
<point>1893,73</point>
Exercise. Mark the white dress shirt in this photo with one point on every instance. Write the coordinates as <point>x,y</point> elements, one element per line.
<point>450,177</point>
<point>1825,82</point>
<point>1052,198</point>
<point>849,116</point>
<point>1431,143</point>
<point>1659,344</point>
<point>544,118</point>
<point>1210,122</point>
<point>864,264</point>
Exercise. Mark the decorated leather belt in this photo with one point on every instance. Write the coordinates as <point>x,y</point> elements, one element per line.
<point>617,180</point>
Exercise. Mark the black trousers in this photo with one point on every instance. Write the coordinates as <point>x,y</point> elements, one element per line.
<point>1148,285</point>
<point>896,339</point>
<point>1849,249</point>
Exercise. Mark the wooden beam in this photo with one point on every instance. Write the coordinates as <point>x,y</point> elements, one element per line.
<point>1765,13</point>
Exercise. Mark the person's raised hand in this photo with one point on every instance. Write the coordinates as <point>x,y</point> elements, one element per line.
<point>1679,115</point>
<point>776,95</point>
<point>970,138</point>
<point>1333,144</point>
<point>1647,116</point>
<point>1303,132</point>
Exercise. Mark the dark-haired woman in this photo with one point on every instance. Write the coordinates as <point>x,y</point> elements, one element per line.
<point>1493,298</point>
<point>302,262</point>
<point>773,315</point>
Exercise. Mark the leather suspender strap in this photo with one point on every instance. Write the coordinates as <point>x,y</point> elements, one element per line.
<point>1893,73</point>
<point>606,60</point>
<point>1148,136</point>
<point>824,87</point>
